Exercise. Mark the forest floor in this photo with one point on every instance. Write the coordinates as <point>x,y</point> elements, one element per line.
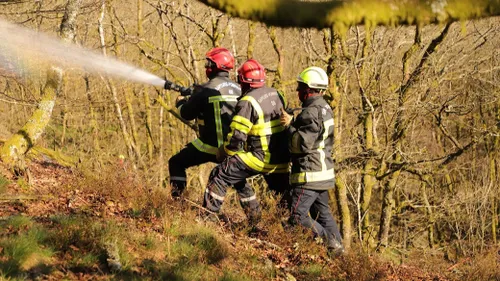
<point>66,225</point>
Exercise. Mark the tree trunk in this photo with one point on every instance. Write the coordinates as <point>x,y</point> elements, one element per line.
<point>429,212</point>
<point>279,68</point>
<point>387,209</point>
<point>18,145</point>
<point>401,126</point>
<point>336,104</point>
<point>369,180</point>
<point>251,39</point>
<point>145,93</point>
<point>494,178</point>
<point>92,115</point>
<point>131,147</point>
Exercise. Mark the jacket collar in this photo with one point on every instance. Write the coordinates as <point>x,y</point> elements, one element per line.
<point>220,74</point>
<point>311,100</point>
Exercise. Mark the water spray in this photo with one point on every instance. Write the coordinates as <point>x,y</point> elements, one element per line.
<point>17,42</point>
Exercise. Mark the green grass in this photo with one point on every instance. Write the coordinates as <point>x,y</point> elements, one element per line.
<point>312,271</point>
<point>24,251</point>
<point>84,245</point>
<point>17,223</point>
<point>234,276</point>
<point>3,184</point>
<point>211,249</point>
<point>76,232</point>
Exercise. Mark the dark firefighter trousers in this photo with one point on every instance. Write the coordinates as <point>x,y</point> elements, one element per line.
<point>233,172</point>
<point>189,156</point>
<point>310,209</point>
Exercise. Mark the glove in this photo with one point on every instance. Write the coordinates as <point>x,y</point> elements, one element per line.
<point>180,100</point>
<point>221,154</point>
<point>285,118</point>
<point>187,91</point>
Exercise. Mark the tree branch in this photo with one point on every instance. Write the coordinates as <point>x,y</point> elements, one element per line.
<point>321,14</point>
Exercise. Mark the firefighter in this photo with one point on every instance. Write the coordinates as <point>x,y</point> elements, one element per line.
<point>254,145</point>
<point>212,105</point>
<point>310,137</point>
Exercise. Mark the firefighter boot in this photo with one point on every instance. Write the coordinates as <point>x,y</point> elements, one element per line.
<point>253,215</point>
<point>177,189</point>
<point>334,248</point>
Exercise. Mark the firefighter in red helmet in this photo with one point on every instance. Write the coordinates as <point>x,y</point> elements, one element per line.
<point>212,105</point>
<point>255,145</point>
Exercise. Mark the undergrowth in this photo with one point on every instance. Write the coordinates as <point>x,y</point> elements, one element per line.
<point>148,236</point>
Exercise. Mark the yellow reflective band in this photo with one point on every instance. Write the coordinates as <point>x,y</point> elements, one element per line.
<point>222,98</point>
<point>235,125</point>
<point>218,197</point>
<point>218,124</point>
<point>258,165</point>
<point>260,120</point>
<point>200,122</point>
<point>242,120</point>
<point>229,152</point>
<point>305,177</point>
<point>216,100</point>
<point>248,199</point>
<point>257,108</point>
<point>267,128</point>
<point>203,147</point>
<point>321,148</point>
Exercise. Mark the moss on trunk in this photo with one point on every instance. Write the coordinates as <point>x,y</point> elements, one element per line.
<point>320,14</point>
<point>25,138</point>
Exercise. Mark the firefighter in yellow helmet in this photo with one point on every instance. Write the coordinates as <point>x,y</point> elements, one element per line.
<point>310,137</point>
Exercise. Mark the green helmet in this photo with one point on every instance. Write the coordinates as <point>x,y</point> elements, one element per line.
<point>314,77</point>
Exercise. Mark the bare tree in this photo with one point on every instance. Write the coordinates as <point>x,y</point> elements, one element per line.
<point>18,145</point>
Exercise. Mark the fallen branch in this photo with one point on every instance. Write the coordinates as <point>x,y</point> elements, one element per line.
<point>265,243</point>
<point>23,197</point>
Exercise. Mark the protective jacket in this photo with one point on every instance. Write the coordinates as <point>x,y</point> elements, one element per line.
<point>256,136</point>
<point>311,145</point>
<point>212,104</point>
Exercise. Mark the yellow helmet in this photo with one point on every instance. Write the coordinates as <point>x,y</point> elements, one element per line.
<point>314,77</point>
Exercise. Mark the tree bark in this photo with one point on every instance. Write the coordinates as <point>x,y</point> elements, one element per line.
<point>321,14</point>
<point>369,180</point>
<point>145,92</point>
<point>19,144</point>
<point>277,81</point>
<point>336,104</point>
<point>251,39</point>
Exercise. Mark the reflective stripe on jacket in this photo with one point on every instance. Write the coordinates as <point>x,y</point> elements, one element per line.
<point>212,104</point>
<point>256,136</point>
<point>311,145</point>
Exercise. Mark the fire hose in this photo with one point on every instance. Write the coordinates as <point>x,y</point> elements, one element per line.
<point>184,91</point>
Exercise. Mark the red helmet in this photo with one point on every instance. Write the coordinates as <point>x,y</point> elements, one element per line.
<point>252,73</point>
<point>222,58</point>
